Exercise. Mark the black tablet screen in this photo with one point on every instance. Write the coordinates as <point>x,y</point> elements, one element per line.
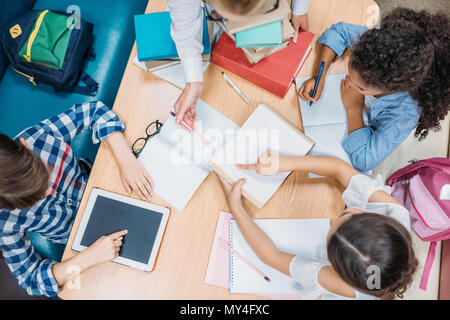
<point>109,216</point>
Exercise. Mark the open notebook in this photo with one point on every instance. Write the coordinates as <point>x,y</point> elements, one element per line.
<point>218,270</point>
<point>179,161</point>
<point>263,130</point>
<point>326,121</point>
<point>305,237</point>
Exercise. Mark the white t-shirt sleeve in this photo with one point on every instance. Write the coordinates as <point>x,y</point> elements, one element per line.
<point>361,188</point>
<point>358,192</point>
<point>305,271</point>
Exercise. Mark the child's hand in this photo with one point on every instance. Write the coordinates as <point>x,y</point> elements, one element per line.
<point>104,249</point>
<point>233,193</point>
<point>135,178</point>
<point>351,97</point>
<point>268,164</point>
<point>307,89</point>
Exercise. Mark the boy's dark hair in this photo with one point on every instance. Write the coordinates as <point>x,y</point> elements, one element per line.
<point>24,178</point>
<point>371,240</point>
<point>409,52</point>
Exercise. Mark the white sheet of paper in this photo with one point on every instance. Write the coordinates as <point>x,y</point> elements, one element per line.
<point>305,237</point>
<point>328,140</point>
<point>173,74</point>
<point>177,180</point>
<point>263,130</point>
<point>329,109</point>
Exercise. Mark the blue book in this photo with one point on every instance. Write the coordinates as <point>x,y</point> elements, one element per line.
<point>153,38</point>
<point>267,35</point>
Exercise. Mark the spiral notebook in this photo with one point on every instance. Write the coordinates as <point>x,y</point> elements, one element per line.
<point>305,237</point>
<point>218,270</point>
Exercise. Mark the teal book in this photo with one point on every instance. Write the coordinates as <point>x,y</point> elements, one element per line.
<point>267,35</point>
<point>153,38</point>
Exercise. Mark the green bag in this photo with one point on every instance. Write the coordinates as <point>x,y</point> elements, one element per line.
<point>49,39</point>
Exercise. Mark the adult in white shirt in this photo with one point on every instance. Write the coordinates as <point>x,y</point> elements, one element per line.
<point>186,30</point>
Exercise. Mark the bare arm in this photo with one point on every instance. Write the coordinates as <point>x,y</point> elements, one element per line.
<point>326,55</point>
<point>134,176</point>
<point>258,240</point>
<point>270,163</point>
<point>104,249</point>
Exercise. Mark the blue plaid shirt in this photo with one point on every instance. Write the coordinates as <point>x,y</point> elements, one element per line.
<point>53,216</point>
<point>391,118</point>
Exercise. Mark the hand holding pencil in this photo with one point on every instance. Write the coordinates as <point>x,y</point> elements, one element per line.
<point>311,89</point>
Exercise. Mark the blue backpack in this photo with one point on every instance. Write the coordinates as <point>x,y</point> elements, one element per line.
<point>51,47</point>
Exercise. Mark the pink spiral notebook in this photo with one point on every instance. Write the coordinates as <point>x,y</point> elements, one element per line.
<point>217,273</point>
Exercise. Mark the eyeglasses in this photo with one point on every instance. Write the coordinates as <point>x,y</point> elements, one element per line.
<point>152,129</point>
<point>215,16</point>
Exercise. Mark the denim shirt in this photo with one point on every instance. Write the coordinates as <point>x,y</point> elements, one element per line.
<point>391,118</point>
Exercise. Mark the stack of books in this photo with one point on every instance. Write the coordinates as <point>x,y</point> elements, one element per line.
<point>263,35</point>
<point>155,46</point>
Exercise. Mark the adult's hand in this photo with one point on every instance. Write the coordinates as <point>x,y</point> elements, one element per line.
<point>185,105</point>
<point>298,22</point>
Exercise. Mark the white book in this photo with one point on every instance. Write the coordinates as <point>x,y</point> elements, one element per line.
<point>171,71</point>
<point>263,130</point>
<point>177,160</point>
<point>304,237</point>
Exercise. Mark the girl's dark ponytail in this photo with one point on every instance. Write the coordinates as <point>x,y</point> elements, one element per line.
<point>370,240</point>
<point>409,52</point>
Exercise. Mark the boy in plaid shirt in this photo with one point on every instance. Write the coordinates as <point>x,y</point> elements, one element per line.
<point>41,186</point>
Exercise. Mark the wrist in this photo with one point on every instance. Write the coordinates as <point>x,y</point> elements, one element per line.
<point>235,204</point>
<point>194,85</point>
<point>82,260</point>
<point>286,163</point>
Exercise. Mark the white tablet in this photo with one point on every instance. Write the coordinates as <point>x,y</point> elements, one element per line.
<point>108,212</point>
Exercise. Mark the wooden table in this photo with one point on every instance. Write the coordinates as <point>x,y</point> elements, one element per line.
<point>143,98</point>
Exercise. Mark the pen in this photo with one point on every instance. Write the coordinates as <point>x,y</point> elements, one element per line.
<point>322,65</point>
<point>244,260</point>
<point>173,114</point>
<point>228,80</point>
<point>182,122</point>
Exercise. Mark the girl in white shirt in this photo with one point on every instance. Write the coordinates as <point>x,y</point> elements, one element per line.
<point>369,253</point>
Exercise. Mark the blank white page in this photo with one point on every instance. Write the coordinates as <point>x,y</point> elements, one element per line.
<point>304,237</point>
<point>329,109</point>
<point>177,180</point>
<point>254,138</point>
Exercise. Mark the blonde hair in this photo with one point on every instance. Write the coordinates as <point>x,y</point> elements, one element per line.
<point>242,7</point>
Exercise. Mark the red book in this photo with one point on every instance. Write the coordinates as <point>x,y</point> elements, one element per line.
<point>274,73</point>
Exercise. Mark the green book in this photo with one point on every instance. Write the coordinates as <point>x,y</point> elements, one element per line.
<point>267,35</point>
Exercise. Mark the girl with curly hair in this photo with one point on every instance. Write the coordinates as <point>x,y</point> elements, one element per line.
<point>398,74</point>
<point>369,252</point>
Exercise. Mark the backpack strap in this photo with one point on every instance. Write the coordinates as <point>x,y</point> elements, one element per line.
<point>90,89</point>
<point>428,264</point>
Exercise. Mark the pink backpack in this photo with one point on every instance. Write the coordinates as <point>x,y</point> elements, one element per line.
<point>423,187</point>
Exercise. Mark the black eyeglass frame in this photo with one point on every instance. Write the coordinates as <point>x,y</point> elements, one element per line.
<point>145,139</point>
